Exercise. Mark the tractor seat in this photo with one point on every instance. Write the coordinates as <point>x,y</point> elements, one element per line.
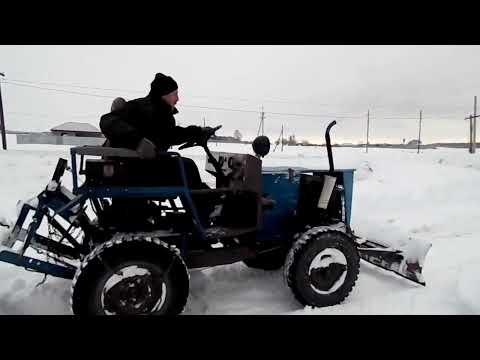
<point>116,172</point>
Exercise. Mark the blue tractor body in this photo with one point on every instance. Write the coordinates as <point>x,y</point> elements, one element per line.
<point>283,185</point>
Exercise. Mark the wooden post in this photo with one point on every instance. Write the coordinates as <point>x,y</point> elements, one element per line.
<point>2,120</point>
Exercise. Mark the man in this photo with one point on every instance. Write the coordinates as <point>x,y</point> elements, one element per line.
<point>148,126</point>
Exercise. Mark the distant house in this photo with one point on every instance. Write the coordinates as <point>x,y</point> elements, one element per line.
<point>414,143</point>
<point>76,129</point>
<point>227,139</point>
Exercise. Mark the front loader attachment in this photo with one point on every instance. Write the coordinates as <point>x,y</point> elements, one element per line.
<point>55,199</point>
<point>407,262</point>
<point>17,257</point>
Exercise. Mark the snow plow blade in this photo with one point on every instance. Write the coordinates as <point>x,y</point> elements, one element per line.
<point>407,262</point>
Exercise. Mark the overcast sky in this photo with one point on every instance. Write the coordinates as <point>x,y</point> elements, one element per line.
<point>324,82</point>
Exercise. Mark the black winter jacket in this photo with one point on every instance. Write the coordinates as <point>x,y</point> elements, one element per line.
<point>145,118</point>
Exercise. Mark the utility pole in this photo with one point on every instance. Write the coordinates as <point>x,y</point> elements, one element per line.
<point>419,132</point>
<point>473,128</point>
<point>368,127</point>
<point>470,140</point>
<point>474,142</point>
<point>2,119</point>
<point>473,120</point>
<point>204,122</point>
<point>262,121</point>
<point>280,140</point>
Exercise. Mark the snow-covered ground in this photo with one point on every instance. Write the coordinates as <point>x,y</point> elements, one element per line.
<point>398,194</point>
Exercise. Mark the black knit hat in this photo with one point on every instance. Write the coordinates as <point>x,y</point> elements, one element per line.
<point>162,85</point>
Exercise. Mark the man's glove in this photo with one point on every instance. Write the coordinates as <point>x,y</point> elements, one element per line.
<point>146,149</point>
<point>204,134</point>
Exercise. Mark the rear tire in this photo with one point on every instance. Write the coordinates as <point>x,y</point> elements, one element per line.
<point>131,277</point>
<point>322,268</point>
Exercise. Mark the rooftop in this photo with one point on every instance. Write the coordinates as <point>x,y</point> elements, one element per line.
<point>75,126</point>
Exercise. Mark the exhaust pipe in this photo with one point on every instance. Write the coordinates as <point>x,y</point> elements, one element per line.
<point>329,145</point>
<point>329,181</point>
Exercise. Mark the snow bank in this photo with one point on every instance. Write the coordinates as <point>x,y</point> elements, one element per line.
<point>469,287</point>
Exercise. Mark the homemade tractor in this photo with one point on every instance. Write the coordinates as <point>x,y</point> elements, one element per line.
<point>127,239</point>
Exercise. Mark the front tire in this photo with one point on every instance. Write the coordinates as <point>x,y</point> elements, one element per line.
<point>134,276</point>
<point>322,268</point>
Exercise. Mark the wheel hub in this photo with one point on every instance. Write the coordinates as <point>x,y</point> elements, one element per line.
<point>327,271</point>
<point>138,293</point>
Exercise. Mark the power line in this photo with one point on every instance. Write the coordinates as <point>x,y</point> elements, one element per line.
<point>412,118</point>
<point>183,105</point>
<point>337,116</point>
<point>259,101</point>
<point>58,90</point>
<point>217,108</point>
<point>277,100</point>
<point>28,114</point>
<point>75,86</point>
<point>104,96</point>
<point>319,115</point>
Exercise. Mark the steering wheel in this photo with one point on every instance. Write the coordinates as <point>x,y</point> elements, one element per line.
<point>207,134</point>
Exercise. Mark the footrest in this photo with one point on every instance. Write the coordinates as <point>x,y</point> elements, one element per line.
<point>216,232</point>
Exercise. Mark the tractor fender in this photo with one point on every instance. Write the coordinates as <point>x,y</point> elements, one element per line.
<point>310,231</point>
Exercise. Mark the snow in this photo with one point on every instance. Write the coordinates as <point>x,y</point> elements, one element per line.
<point>5,226</point>
<point>399,196</point>
<point>52,185</point>
<point>3,234</point>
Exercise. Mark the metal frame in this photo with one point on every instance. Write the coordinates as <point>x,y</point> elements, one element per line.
<point>30,237</point>
<point>82,194</point>
<point>127,191</point>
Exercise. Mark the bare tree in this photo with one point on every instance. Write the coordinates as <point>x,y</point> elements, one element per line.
<point>237,135</point>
